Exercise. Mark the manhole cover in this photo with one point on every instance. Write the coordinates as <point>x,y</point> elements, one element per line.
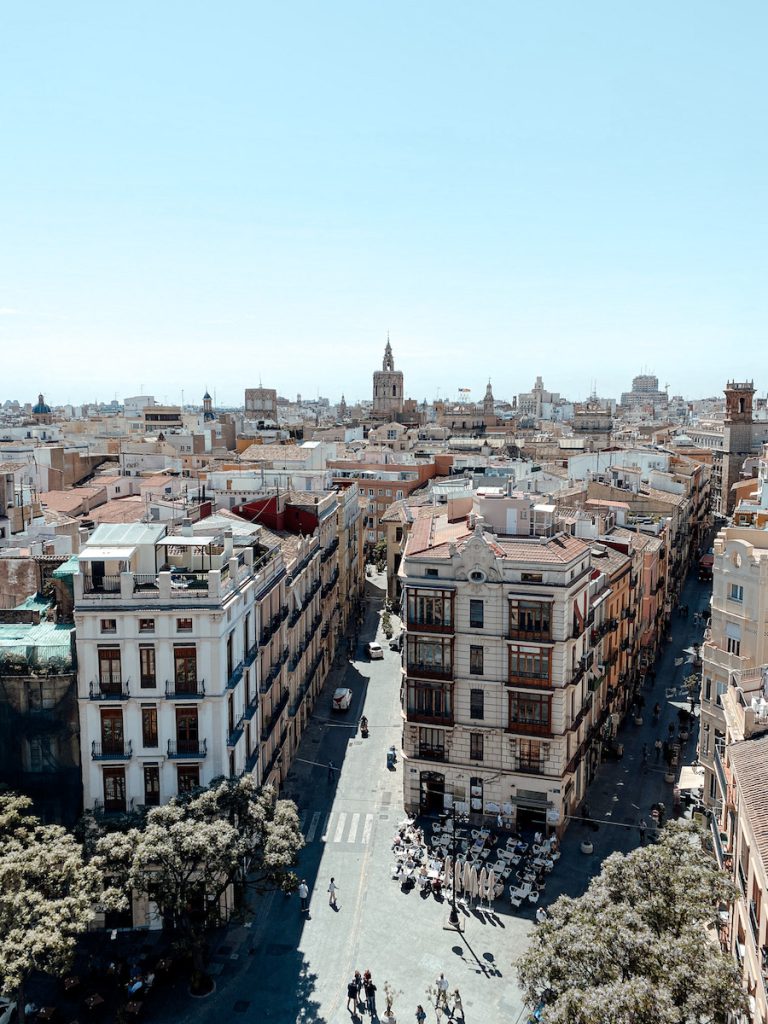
<point>383,817</point>
<point>241,1005</point>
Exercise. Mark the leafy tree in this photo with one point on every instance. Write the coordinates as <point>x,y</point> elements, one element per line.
<point>47,896</point>
<point>192,849</point>
<point>633,948</point>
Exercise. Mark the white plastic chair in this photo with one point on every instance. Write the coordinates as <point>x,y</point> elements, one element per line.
<point>533,897</point>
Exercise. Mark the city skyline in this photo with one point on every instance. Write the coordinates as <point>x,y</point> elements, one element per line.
<point>508,192</point>
<point>194,399</point>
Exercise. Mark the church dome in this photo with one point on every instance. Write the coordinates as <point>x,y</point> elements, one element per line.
<point>41,409</point>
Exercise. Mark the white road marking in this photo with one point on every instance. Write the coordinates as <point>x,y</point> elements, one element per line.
<point>367,827</point>
<point>313,826</point>
<point>324,836</point>
<point>353,828</point>
<point>340,827</point>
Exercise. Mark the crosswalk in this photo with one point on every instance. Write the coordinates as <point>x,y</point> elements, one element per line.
<point>337,827</point>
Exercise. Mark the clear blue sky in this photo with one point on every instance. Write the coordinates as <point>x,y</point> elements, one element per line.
<point>198,194</point>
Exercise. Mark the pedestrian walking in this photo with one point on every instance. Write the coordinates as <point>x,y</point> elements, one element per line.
<point>370,996</point>
<point>641,828</point>
<point>457,1005</point>
<point>352,997</point>
<point>421,1015</point>
<point>671,729</point>
<point>442,991</point>
<point>332,890</point>
<point>657,747</point>
<point>331,771</point>
<point>645,753</point>
<point>303,895</point>
<point>662,812</point>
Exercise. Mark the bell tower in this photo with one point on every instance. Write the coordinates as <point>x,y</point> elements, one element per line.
<point>738,438</point>
<point>387,388</point>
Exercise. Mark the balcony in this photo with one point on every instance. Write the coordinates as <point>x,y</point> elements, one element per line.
<point>236,733</point>
<point>578,675</point>
<point>529,728</point>
<point>327,552</point>
<point>428,752</point>
<point>422,670</point>
<point>529,767</point>
<point>112,750</point>
<point>108,691</point>
<point>429,716</point>
<point>274,718</point>
<point>235,676</point>
<point>720,772</point>
<point>537,679</point>
<point>187,750</point>
<point>101,584</point>
<point>251,709</point>
<point>543,636</point>
<point>251,655</point>
<point>190,689</point>
<point>417,625</point>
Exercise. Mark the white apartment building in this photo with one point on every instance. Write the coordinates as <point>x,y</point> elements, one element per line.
<point>169,631</point>
<point>737,640</point>
<point>506,706</point>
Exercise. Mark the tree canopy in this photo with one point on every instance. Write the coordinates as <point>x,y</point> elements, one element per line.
<point>633,949</point>
<point>47,894</point>
<point>192,849</point>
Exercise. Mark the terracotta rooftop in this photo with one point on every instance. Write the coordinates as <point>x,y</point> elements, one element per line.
<point>611,562</point>
<point>749,760</point>
<point>69,501</point>
<point>120,510</point>
<point>433,534</point>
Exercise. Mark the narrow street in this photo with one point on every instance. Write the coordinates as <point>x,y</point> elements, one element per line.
<point>287,966</point>
<point>623,792</point>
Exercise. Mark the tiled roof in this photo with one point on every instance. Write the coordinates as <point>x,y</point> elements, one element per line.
<point>433,534</point>
<point>120,510</point>
<point>749,760</point>
<point>556,550</point>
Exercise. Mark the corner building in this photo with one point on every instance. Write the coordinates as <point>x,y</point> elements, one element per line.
<point>505,704</point>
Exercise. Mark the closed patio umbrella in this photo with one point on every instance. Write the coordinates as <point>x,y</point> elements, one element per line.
<point>459,873</point>
<point>467,884</point>
<point>473,882</point>
<point>490,885</point>
<point>482,878</point>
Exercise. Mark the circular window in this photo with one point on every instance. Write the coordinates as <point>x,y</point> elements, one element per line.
<point>477,576</point>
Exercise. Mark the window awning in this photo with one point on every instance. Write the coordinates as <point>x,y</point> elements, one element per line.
<point>97,554</point>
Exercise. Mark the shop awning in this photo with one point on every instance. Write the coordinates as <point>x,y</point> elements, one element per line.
<point>691,777</point>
